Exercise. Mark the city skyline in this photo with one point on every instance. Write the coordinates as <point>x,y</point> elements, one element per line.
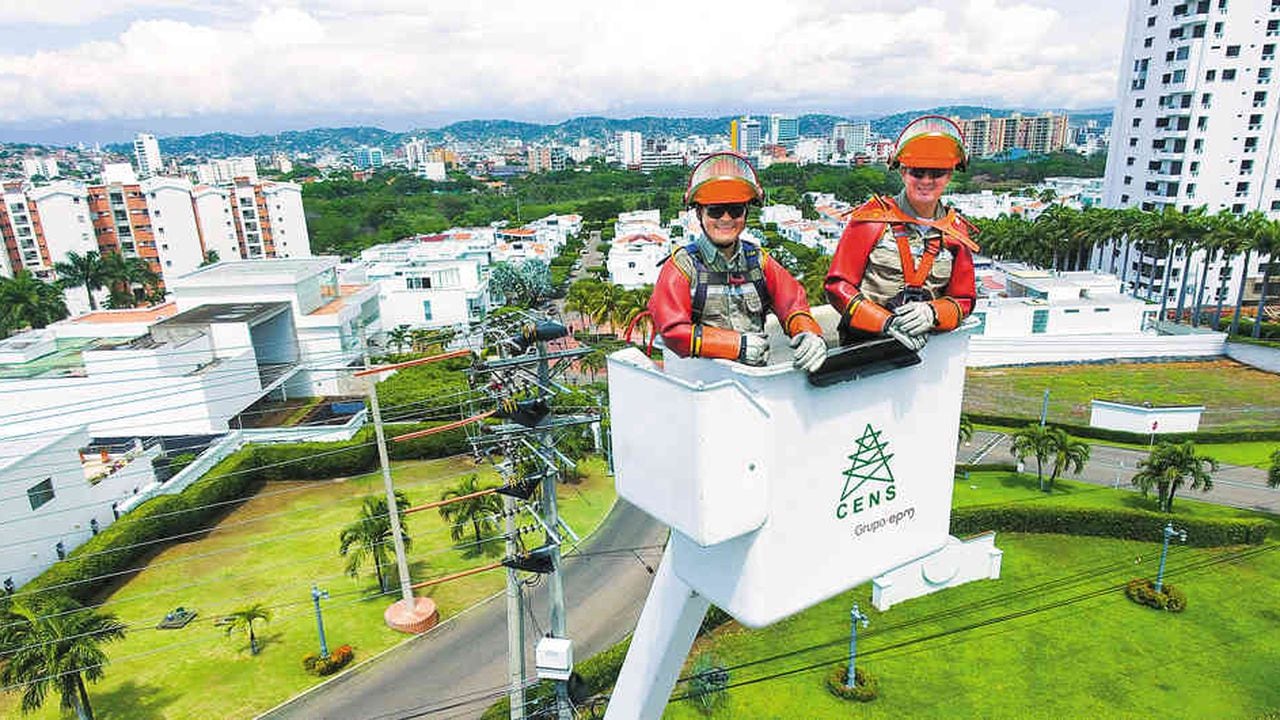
<point>180,68</point>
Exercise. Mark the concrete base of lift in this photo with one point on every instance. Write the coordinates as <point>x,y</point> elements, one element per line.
<point>415,619</point>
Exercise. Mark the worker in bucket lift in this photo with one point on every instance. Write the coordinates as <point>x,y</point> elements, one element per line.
<point>712,294</point>
<point>904,265</point>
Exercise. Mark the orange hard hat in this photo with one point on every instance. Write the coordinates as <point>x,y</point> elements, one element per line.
<point>931,141</point>
<point>723,177</point>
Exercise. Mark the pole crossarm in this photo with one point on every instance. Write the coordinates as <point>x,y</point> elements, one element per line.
<point>443,428</point>
<point>450,501</point>
<point>530,359</point>
<point>457,575</point>
<point>411,363</point>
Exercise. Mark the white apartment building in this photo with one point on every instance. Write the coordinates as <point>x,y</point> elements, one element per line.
<point>224,171</point>
<point>850,138</point>
<point>431,293</point>
<point>147,152</point>
<point>213,213</point>
<point>45,167</point>
<point>775,214</point>
<point>173,222</point>
<point>1194,125</point>
<point>630,148</point>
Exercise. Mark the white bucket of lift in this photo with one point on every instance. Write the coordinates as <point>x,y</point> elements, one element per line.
<point>780,494</point>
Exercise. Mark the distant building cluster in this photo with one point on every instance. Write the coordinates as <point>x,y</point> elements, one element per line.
<point>988,136</point>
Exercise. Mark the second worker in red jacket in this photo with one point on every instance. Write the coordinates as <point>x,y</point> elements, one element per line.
<point>712,294</point>
<point>904,265</point>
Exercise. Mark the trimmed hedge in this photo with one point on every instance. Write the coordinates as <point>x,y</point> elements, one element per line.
<point>124,545</point>
<point>1084,431</point>
<point>1105,522</point>
<point>866,687</point>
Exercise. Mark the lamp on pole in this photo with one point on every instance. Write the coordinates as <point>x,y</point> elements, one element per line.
<point>316,595</point>
<point>855,616</point>
<point>1168,533</point>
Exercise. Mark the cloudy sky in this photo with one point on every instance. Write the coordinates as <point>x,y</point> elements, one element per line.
<point>72,69</point>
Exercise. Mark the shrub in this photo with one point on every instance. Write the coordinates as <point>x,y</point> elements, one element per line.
<point>336,660</point>
<point>714,618</point>
<point>866,687</point>
<point>595,675</point>
<point>1120,523</point>
<point>1084,431</point>
<point>1143,592</point>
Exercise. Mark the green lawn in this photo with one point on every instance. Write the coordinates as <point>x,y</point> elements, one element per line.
<point>1234,395</point>
<point>966,653</point>
<point>1053,638</point>
<point>1252,453</point>
<point>271,550</point>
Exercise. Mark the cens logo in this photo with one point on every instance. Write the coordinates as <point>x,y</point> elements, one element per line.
<point>869,479</point>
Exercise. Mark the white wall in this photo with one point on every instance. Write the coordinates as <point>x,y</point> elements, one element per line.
<point>635,264</point>
<point>64,217</point>
<point>993,351</point>
<point>31,536</point>
<point>959,562</point>
<point>288,221</point>
<point>1144,420</point>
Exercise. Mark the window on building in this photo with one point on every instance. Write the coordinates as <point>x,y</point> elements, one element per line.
<point>1146,43</point>
<point>1137,122</point>
<point>1275,204</point>
<point>1273,28</point>
<point>1242,189</point>
<point>1210,75</point>
<point>1197,31</point>
<point>40,493</point>
<point>1202,122</point>
<point>1264,75</point>
<point>1128,161</point>
<point>1179,76</point>
<point>417,283</point>
<point>1151,21</point>
<point>1217,29</point>
<point>1138,103</point>
<point>1039,321</point>
<point>1191,190</point>
<point>1124,198</point>
<point>1133,142</point>
<point>1233,51</point>
<point>1237,208</point>
<point>1269,51</point>
<point>1206,100</point>
<point>1128,179</point>
<point>426,309</point>
<point>1228,75</point>
<point>1182,53</point>
<point>1251,144</point>
<point>1259,98</point>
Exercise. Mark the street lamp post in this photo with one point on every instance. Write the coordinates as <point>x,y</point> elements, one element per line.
<point>855,616</point>
<point>1168,533</point>
<point>316,595</point>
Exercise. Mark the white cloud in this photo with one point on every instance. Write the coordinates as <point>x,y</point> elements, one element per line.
<point>518,59</point>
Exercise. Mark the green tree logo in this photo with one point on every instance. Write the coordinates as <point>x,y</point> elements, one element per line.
<point>869,462</point>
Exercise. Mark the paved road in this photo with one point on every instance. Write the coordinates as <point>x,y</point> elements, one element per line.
<point>1234,485</point>
<point>462,664</point>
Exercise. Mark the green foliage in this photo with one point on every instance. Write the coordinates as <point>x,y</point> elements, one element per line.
<point>369,537</point>
<point>597,674</point>
<point>1143,592</point>
<point>1273,473</point>
<point>28,302</point>
<point>1105,522</point>
<point>707,684</point>
<point>336,660</point>
<point>1084,431</point>
<point>1169,466</point>
<point>1034,441</point>
<point>866,687</point>
<point>481,512</point>
<point>521,283</point>
<point>443,383</point>
<point>714,618</point>
<point>243,618</point>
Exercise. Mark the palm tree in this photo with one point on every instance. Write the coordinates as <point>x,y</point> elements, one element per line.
<point>1033,441</point>
<point>1068,453</point>
<point>481,512</point>
<point>55,646</point>
<point>419,339</point>
<point>82,271</point>
<point>1169,467</point>
<point>121,274</point>
<point>368,537</point>
<point>210,258</point>
<point>966,429</point>
<point>607,301</point>
<point>398,337</point>
<point>593,363</point>
<point>1273,473</point>
<point>1268,242</point>
<point>244,617</point>
<point>26,301</point>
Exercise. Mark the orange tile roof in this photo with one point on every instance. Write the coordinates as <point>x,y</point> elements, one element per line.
<point>131,315</point>
<point>523,232</point>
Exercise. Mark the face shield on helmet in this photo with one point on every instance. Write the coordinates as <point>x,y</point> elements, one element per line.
<point>931,141</point>
<point>721,178</point>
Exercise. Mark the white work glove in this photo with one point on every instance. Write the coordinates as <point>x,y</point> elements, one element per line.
<point>914,343</point>
<point>755,349</point>
<point>915,318</point>
<point>810,351</point>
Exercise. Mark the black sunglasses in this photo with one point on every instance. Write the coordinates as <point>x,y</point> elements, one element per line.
<point>933,173</point>
<point>735,210</point>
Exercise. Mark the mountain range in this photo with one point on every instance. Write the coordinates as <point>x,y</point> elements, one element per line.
<point>345,138</point>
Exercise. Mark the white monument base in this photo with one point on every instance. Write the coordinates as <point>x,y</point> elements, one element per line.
<point>957,563</point>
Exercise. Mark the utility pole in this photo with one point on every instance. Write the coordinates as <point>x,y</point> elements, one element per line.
<point>855,616</point>
<point>1168,533</point>
<point>316,596</point>
<point>551,516</point>
<point>515,616</point>
<point>393,511</point>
